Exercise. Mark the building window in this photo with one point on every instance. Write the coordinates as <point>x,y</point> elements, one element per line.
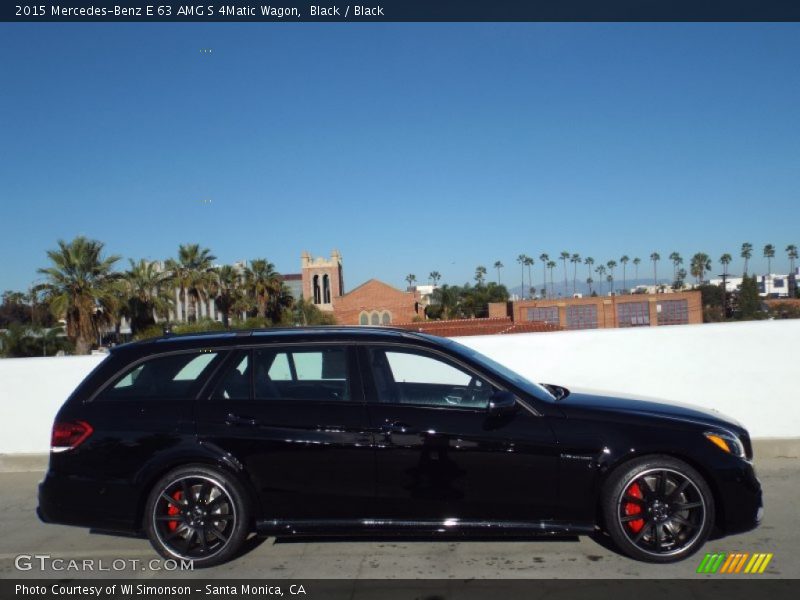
<point>386,318</point>
<point>363,319</point>
<point>673,312</point>
<point>582,316</point>
<point>548,314</point>
<point>326,289</point>
<point>778,283</point>
<point>633,314</point>
<point>317,294</point>
<point>375,319</point>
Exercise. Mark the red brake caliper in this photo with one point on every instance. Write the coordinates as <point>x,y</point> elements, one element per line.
<point>173,510</point>
<point>632,508</point>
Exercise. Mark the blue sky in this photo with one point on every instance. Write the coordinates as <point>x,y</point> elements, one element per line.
<point>410,148</point>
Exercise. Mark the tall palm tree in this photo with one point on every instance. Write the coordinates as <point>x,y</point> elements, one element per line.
<point>521,260</point>
<point>411,278</point>
<point>434,276</point>
<point>79,288</point>
<point>636,262</point>
<point>725,260</point>
<point>791,251</point>
<point>699,264</point>
<point>575,259</point>
<point>264,285</point>
<point>229,298</point>
<point>564,258</point>
<point>589,261</point>
<point>747,253</point>
<point>551,264</point>
<point>545,258</point>
<point>590,281</point>
<point>529,264</point>
<point>498,265</point>
<point>677,261</point>
<point>147,294</point>
<point>655,257</point>
<point>612,264</point>
<point>189,275</point>
<point>769,254</point>
<point>601,272</point>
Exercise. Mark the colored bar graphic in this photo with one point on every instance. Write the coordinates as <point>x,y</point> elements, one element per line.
<point>735,562</point>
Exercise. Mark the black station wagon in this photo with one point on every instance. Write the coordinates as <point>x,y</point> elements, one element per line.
<point>198,441</point>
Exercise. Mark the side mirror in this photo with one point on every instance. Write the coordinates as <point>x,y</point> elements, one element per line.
<point>502,404</point>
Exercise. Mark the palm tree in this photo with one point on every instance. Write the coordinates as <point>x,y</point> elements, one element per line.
<point>229,298</point>
<point>601,272</point>
<point>434,276</point>
<point>147,294</point>
<point>747,253</point>
<point>769,254</point>
<point>189,275</point>
<point>411,278</point>
<point>611,266</point>
<point>677,261</point>
<point>575,259</point>
<point>624,260</point>
<point>636,262</point>
<point>700,263</point>
<point>521,260</point>
<point>447,298</point>
<point>498,265</point>
<point>79,287</point>
<point>725,260</point>
<point>545,258</point>
<point>480,274</point>
<point>590,281</point>
<point>564,258</point>
<point>529,264</point>
<point>551,264</point>
<point>791,250</point>
<point>589,261</point>
<point>655,257</point>
<point>264,287</point>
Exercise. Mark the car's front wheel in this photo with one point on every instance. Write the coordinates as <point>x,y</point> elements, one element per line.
<point>197,513</point>
<point>657,509</point>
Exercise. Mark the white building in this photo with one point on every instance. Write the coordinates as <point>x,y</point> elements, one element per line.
<point>774,285</point>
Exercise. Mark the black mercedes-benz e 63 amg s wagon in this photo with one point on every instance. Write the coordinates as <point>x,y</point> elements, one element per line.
<point>198,441</point>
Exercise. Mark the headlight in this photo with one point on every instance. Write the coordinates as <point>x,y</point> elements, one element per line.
<point>726,441</point>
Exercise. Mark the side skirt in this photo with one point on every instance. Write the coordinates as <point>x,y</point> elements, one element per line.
<point>389,527</point>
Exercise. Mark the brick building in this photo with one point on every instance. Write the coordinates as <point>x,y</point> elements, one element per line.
<point>600,312</point>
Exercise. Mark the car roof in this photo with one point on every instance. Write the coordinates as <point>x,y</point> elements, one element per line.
<point>248,337</point>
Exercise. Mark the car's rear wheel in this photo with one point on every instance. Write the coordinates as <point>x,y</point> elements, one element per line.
<point>658,509</point>
<point>197,513</point>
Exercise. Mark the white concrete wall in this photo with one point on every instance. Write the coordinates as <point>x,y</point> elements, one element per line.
<point>745,370</point>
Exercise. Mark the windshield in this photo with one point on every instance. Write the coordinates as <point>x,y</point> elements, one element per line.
<point>526,385</point>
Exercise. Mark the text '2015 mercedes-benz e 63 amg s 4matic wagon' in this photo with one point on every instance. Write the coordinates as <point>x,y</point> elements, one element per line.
<point>198,441</point>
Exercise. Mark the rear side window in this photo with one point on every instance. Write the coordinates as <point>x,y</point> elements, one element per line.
<point>301,374</point>
<point>173,376</point>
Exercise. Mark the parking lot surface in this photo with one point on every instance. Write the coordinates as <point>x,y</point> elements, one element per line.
<point>23,535</point>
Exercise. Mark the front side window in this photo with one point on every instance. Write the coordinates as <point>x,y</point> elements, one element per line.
<point>409,377</point>
<point>172,376</point>
<point>301,374</point>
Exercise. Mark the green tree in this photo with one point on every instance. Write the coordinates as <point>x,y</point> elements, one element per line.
<point>791,251</point>
<point>551,264</point>
<point>230,296</point>
<point>601,273</point>
<point>655,257</point>
<point>747,253</point>
<point>529,264</point>
<point>748,299</point>
<point>700,263</point>
<point>434,277</point>
<point>636,262</point>
<point>575,259</point>
<point>498,265</point>
<point>79,288</point>
<point>411,279</point>
<point>480,274</point>
<point>564,258</point>
<point>545,259</point>
<point>769,254</point>
<point>146,294</point>
<point>265,289</point>
<point>522,261</point>
<point>624,260</point>
<point>189,274</point>
<point>612,264</point>
<point>589,262</point>
<point>677,261</point>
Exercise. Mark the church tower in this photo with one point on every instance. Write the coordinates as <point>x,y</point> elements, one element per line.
<point>322,279</point>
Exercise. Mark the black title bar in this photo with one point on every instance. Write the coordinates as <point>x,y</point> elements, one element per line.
<point>292,11</point>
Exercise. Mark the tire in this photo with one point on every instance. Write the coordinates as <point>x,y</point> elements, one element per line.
<point>657,509</point>
<point>208,529</point>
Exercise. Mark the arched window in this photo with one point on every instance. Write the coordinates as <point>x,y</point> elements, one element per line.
<point>376,318</point>
<point>363,319</point>
<point>317,295</point>
<point>386,318</point>
<point>326,289</point>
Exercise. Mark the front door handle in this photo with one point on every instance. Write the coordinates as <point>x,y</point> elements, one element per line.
<point>233,419</point>
<point>396,427</point>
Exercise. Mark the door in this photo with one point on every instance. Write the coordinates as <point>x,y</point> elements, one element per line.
<point>440,455</point>
<point>294,416</point>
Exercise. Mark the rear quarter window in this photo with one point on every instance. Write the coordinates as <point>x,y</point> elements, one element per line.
<point>171,376</point>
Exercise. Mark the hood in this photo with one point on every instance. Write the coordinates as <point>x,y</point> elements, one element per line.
<point>658,408</point>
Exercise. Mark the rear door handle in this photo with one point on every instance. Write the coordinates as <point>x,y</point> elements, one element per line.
<point>233,419</point>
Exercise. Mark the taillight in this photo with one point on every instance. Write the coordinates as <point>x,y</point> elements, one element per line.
<point>67,436</point>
